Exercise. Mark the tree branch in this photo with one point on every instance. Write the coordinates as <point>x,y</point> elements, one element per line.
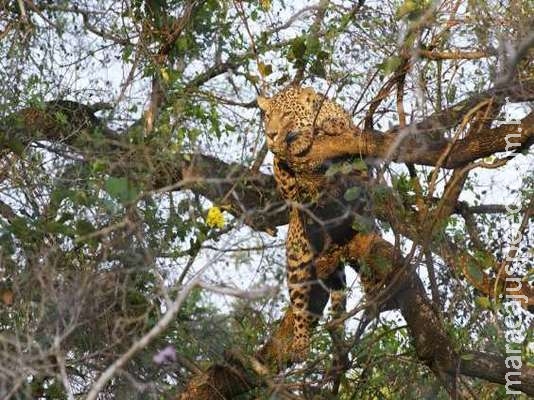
<point>413,147</point>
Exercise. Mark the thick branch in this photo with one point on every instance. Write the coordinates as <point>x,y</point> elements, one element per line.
<point>63,121</point>
<point>411,146</point>
<point>452,116</point>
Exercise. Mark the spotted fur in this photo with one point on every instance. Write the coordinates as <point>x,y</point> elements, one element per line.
<point>293,118</point>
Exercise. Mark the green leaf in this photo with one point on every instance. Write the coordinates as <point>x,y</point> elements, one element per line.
<point>391,64</point>
<point>402,183</point>
<point>323,55</point>
<point>352,193</point>
<point>317,68</point>
<point>483,302</point>
<point>58,194</point>
<point>16,146</point>
<point>265,69</point>
<point>61,118</point>
<point>313,45</point>
<point>298,48</point>
<point>57,227</point>
<point>333,169</point>
<point>98,165</point>
<point>84,227</point>
<point>121,189</point>
<point>19,226</point>
<point>127,52</point>
<point>412,9</point>
<point>6,244</point>
<point>490,331</point>
<point>409,6</point>
<point>359,165</point>
<point>362,224</point>
<point>475,272</point>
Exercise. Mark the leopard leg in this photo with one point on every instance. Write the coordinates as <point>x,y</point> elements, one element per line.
<point>299,259</point>
<point>338,306</point>
<point>338,302</point>
<point>337,284</point>
<point>300,279</point>
<point>285,180</point>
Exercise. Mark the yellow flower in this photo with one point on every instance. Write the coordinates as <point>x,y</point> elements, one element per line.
<point>215,218</point>
<point>165,74</point>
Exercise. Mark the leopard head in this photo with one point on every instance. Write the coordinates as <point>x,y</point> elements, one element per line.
<point>290,110</point>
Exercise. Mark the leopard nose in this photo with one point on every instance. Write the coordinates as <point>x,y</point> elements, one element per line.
<point>271,134</point>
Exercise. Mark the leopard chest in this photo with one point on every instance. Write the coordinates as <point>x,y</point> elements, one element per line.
<point>298,189</point>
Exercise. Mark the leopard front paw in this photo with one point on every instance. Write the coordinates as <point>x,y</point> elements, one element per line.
<point>298,142</point>
<point>335,127</point>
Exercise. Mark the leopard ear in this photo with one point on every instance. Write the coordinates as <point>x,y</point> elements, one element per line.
<point>263,102</point>
<point>308,93</point>
<point>308,90</point>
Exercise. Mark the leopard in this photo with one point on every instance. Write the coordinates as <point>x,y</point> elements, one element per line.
<point>293,119</point>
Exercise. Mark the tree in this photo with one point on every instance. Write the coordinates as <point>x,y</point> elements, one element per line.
<point>136,198</point>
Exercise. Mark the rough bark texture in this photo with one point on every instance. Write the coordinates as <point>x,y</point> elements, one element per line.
<point>413,146</point>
